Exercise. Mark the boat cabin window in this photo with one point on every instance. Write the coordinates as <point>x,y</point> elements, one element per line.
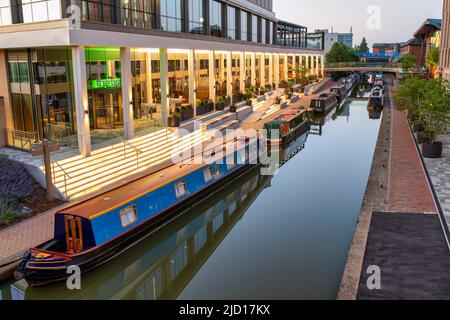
<point>180,189</point>
<point>231,163</point>
<point>218,174</point>
<point>128,216</point>
<point>208,174</point>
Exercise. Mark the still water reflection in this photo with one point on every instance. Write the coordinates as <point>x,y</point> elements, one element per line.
<point>281,237</point>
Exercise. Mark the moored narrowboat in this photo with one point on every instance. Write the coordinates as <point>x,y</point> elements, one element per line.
<point>341,92</point>
<point>376,99</point>
<point>287,126</point>
<point>324,103</point>
<point>93,232</point>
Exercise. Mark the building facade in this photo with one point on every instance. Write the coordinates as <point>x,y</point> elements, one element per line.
<point>444,63</point>
<point>429,36</point>
<point>330,38</point>
<point>76,70</point>
<point>412,47</point>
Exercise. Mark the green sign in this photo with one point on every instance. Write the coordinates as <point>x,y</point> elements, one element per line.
<point>106,84</point>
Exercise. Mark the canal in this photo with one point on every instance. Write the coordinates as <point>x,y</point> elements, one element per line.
<point>280,237</point>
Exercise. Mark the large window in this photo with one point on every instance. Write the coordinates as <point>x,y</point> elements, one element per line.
<point>135,13</point>
<point>171,15</point>
<point>49,112</point>
<point>244,26</point>
<point>41,10</point>
<point>196,17</point>
<point>254,28</point>
<point>5,13</point>
<point>232,23</point>
<point>263,31</point>
<point>98,10</point>
<point>215,13</point>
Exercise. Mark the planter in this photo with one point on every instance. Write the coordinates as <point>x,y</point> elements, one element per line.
<point>418,128</point>
<point>174,122</point>
<point>421,138</point>
<point>205,108</point>
<point>187,114</point>
<point>432,150</point>
<point>249,103</point>
<point>233,108</point>
<point>220,106</point>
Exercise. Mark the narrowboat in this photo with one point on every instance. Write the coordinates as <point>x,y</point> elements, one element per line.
<point>287,126</point>
<point>376,99</point>
<point>324,103</point>
<point>341,92</point>
<point>95,231</point>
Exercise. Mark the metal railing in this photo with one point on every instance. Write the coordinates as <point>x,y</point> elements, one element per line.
<point>125,144</point>
<point>18,139</point>
<point>66,175</point>
<point>380,65</point>
<point>60,133</point>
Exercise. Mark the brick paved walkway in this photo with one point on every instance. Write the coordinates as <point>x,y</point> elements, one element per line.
<point>408,189</point>
<point>16,239</point>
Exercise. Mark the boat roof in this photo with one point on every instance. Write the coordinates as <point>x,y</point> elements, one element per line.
<point>96,206</point>
<point>291,114</point>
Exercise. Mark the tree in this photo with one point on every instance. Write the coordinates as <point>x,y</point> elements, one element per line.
<point>341,53</point>
<point>427,103</point>
<point>408,62</point>
<point>301,75</point>
<point>432,60</point>
<point>363,47</point>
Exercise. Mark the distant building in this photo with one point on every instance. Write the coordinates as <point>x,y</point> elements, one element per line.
<point>412,47</point>
<point>346,38</point>
<point>386,48</point>
<point>328,39</point>
<point>444,63</point>
<point>429,35</point>
<point>316,40</point>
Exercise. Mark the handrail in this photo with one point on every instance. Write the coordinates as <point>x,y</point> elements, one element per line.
<point>125,143</point>
<point>66,175</point>
<point>25,138</point>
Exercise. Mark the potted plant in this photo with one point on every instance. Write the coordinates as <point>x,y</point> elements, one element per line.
<point>233,108</point>
<point>175,117</point>
<point>187,112</point>
<point>434,113</point>
<point>220,103</point>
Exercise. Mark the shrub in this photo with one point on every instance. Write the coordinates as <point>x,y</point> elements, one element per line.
<point>16,185</point>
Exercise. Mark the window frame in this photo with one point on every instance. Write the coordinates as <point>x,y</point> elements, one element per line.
<point>182,182</point>
<point>126,212</point>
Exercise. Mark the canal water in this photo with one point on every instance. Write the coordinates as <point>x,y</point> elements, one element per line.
<point>280,237</point>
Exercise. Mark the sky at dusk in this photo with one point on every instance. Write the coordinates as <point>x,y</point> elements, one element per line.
<point>399,19</point>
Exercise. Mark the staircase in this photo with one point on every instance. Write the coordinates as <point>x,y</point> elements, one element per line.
<point>78,176</point>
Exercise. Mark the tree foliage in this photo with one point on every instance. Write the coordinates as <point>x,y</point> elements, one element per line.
<point>408,61</point>
<point>363,47</point>
<point>432,60</point>
<point>341,53</point>
<point>427,103</point>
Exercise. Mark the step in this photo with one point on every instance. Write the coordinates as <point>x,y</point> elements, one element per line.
<point>95,171</point>
<point>220,131</point>
<point>87,173</point>
<point>110,149</point>
<point>124,169</point>
<point>218,121</point>
<point>121,174</point>
<point>110,158</point>
<point>244,112</point>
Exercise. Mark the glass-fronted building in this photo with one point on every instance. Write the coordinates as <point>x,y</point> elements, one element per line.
<point>78,70</point>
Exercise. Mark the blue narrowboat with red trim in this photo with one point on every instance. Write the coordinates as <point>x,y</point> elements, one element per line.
<point>94,232</point>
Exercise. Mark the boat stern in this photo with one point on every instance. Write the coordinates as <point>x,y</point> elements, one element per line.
<point>40,267</point>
